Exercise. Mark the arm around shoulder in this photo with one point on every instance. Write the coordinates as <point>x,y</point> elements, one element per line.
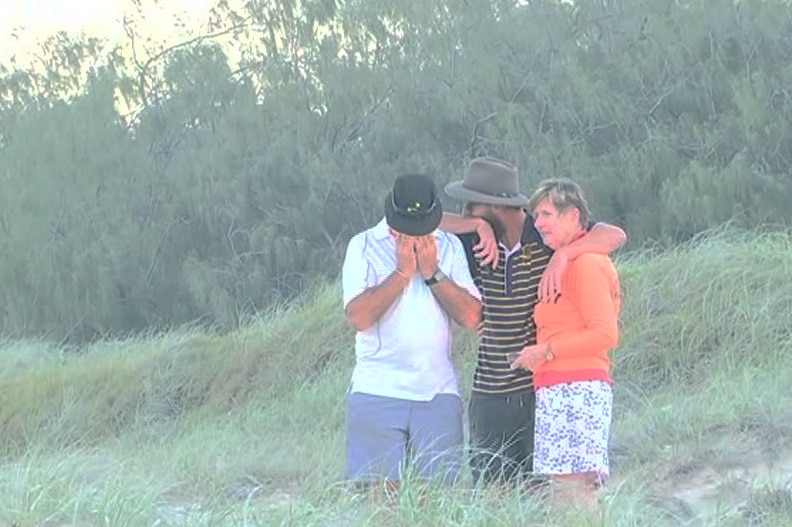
<point>603,238</point>
<point>610,237</point>
<point>458,224</point>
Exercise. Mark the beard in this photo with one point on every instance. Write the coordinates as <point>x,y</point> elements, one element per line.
<point>497,224</point>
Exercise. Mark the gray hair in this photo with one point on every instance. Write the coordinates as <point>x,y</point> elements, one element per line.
<point>563,194</point>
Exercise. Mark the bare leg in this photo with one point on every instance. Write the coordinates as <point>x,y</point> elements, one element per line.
<point>580,489</point>
<point>385,493</point>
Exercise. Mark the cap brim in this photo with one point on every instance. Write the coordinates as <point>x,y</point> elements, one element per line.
<point>457,190</point>
<point>412,226</point>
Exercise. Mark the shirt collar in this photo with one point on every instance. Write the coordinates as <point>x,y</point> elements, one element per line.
<point>380,230</point>
<point>529,233</point>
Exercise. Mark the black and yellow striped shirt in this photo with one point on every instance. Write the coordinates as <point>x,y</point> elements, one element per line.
<point>509,293</point>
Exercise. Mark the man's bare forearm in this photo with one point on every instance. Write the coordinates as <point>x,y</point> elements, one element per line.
<point>601,239</point>
<point>368,307</point>
<point>460,305</point>
<point>458,224</point>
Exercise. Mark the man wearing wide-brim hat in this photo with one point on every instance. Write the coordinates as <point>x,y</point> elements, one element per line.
<point>508,259</point>
<point>403,283</point>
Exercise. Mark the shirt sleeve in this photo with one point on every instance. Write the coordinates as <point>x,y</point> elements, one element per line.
<point>356,274</point>
<point>458,267</point>
<point>598,302</point>
<point>470,240</point>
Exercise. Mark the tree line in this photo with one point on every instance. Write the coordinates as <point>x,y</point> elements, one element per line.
<point>212,179</point>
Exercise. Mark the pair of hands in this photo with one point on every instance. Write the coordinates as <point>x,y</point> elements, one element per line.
<point>416,254</point>
<point>486,252</point>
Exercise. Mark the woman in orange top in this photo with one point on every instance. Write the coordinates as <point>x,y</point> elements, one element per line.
<point>575,331</point>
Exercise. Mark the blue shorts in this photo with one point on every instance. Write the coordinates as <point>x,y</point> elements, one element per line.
<point>392,439</point>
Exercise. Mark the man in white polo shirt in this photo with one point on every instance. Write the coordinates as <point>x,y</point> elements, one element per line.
<point>404,282</point>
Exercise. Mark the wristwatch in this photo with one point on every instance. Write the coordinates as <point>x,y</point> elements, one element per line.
<point>436,277</point>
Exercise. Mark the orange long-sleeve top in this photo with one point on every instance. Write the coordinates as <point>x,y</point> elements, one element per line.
<point>582,325</point>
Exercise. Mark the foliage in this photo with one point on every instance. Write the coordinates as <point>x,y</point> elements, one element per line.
<point>147,187</point>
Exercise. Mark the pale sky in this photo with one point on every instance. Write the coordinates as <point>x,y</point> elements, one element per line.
<point>30,20</point>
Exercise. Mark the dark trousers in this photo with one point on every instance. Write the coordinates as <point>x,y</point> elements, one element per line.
<point>502,436</point>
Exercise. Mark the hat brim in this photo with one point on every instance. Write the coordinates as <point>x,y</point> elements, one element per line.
<point>458,190</point>
<point>409,225</point>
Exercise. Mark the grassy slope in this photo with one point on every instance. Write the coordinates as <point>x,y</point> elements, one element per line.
<point>192,428</point>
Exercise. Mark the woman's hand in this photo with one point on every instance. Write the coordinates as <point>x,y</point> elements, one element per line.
<point>529,358</point>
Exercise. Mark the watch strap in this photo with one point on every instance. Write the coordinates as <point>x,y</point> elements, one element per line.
<point>436,277</point>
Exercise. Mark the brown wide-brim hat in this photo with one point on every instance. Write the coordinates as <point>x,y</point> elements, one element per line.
<point>412,206</point>
<point>490,181</point>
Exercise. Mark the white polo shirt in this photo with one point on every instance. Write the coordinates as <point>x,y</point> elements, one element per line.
<point>406,354</point>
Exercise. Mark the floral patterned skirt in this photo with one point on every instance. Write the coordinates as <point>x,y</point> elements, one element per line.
<point>572,427</point>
